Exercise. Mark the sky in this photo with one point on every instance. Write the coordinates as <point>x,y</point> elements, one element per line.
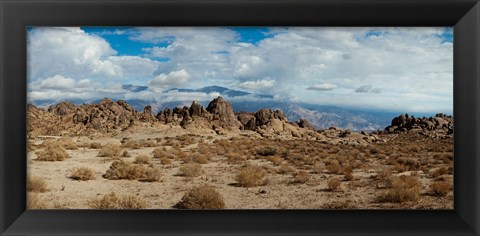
<point>402,69</point>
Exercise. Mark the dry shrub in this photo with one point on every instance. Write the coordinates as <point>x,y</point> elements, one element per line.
<point>165,161</point>
<point>348,172</point>
<point>142,159</point>
<point>308,160</point>
<point>126,154</point>
<point>317,168</point>
<point>95,145</point>
<point>83,173</point>
<point>203,148</point>
<point>67,143</point>
<point>333,167</point>
<point>399,167</point>
<point>180,155</point>
<point>266,151</point>
<point>153,175</point>
<point>112,201</point>
<point>47,143</point>
<point>53,152</point>
<point>286,169</point>
<point>221,142</point>
<point>161,153</point>
<point>251,176</point>
<point>125,170</point>
<point>333,184</point>
<point>348,176</point>
<point>383,174</point>
<point>440,188</point>
<point>301,177</point>
<point>345,204</point>
<point>440,171</point>
<point>191,169</point>
<point>110,150</point>
<point>137,144</point>
<point>35,202</point>
<point>235,158</point>
<point>36,184</point>
<point>131,144</point>
<point>197,158</point>
<point>158,153</point>
<point>403,188</point>
<point>409,163</point>
<point>202,197</point>
<point>275,160</point>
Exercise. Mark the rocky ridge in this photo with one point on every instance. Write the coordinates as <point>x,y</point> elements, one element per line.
<point>218,117</point>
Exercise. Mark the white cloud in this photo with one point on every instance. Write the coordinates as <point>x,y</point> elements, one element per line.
<point>400,61</point>
<point>322,87</point>
<point>69,52</point>
<point>57,82</point>
<point>174,78</point>
<point>74,53</point>
<point>203,51</point>
<point>257,84</point>
<point>135,66</point>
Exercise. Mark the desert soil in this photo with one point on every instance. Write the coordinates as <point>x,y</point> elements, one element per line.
<point>368,162</point>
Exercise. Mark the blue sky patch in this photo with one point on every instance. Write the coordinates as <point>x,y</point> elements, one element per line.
<point>252,34</point>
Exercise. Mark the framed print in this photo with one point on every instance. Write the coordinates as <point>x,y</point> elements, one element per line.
<point>161,117</point>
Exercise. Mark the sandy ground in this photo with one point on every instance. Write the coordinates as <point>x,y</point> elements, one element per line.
<point>279,193</point>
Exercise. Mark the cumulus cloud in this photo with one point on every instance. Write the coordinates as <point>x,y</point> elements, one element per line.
<point>174,78</point>
<point>322,87</point>
<point>68,51</point>
<point>57,82</point>
<point>74,53</point>
<point>257,84</point>
<point>289,61</point>
<point>363,89</point>
<point>204,51</point>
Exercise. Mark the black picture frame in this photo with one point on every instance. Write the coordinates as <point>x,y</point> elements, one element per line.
<point>16,15</point>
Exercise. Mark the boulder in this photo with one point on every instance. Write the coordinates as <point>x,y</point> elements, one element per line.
<point>264,116</point>
<point>248,121</point>
<point>223,111</point>
<point>63,108</point>
<point>276,124</point>
<point>305,124</point>
<point>196,109</point>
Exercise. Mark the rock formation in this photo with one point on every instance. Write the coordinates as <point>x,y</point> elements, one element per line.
<point>219,117</point>
<point>404,123</point>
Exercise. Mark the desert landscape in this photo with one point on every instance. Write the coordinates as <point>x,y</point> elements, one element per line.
<point>107,155</point>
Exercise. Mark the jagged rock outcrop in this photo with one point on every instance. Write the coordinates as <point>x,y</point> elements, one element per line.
<point>62,108</point>
<point>248,120</point>
<point>222,114</point>
<point>302,123</point>
<point>264,116</point>
<point>147,114</point>
<point>105,116</point>
<point>218,118</point>
<point>196,109</point>
<point>404,123</point>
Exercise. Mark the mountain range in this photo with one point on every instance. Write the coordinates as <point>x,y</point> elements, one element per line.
<point>320,116</point>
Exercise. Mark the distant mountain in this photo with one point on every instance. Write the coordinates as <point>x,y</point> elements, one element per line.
<point>134,88</point>
<point>221,90</point>
<point>320,116</point>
